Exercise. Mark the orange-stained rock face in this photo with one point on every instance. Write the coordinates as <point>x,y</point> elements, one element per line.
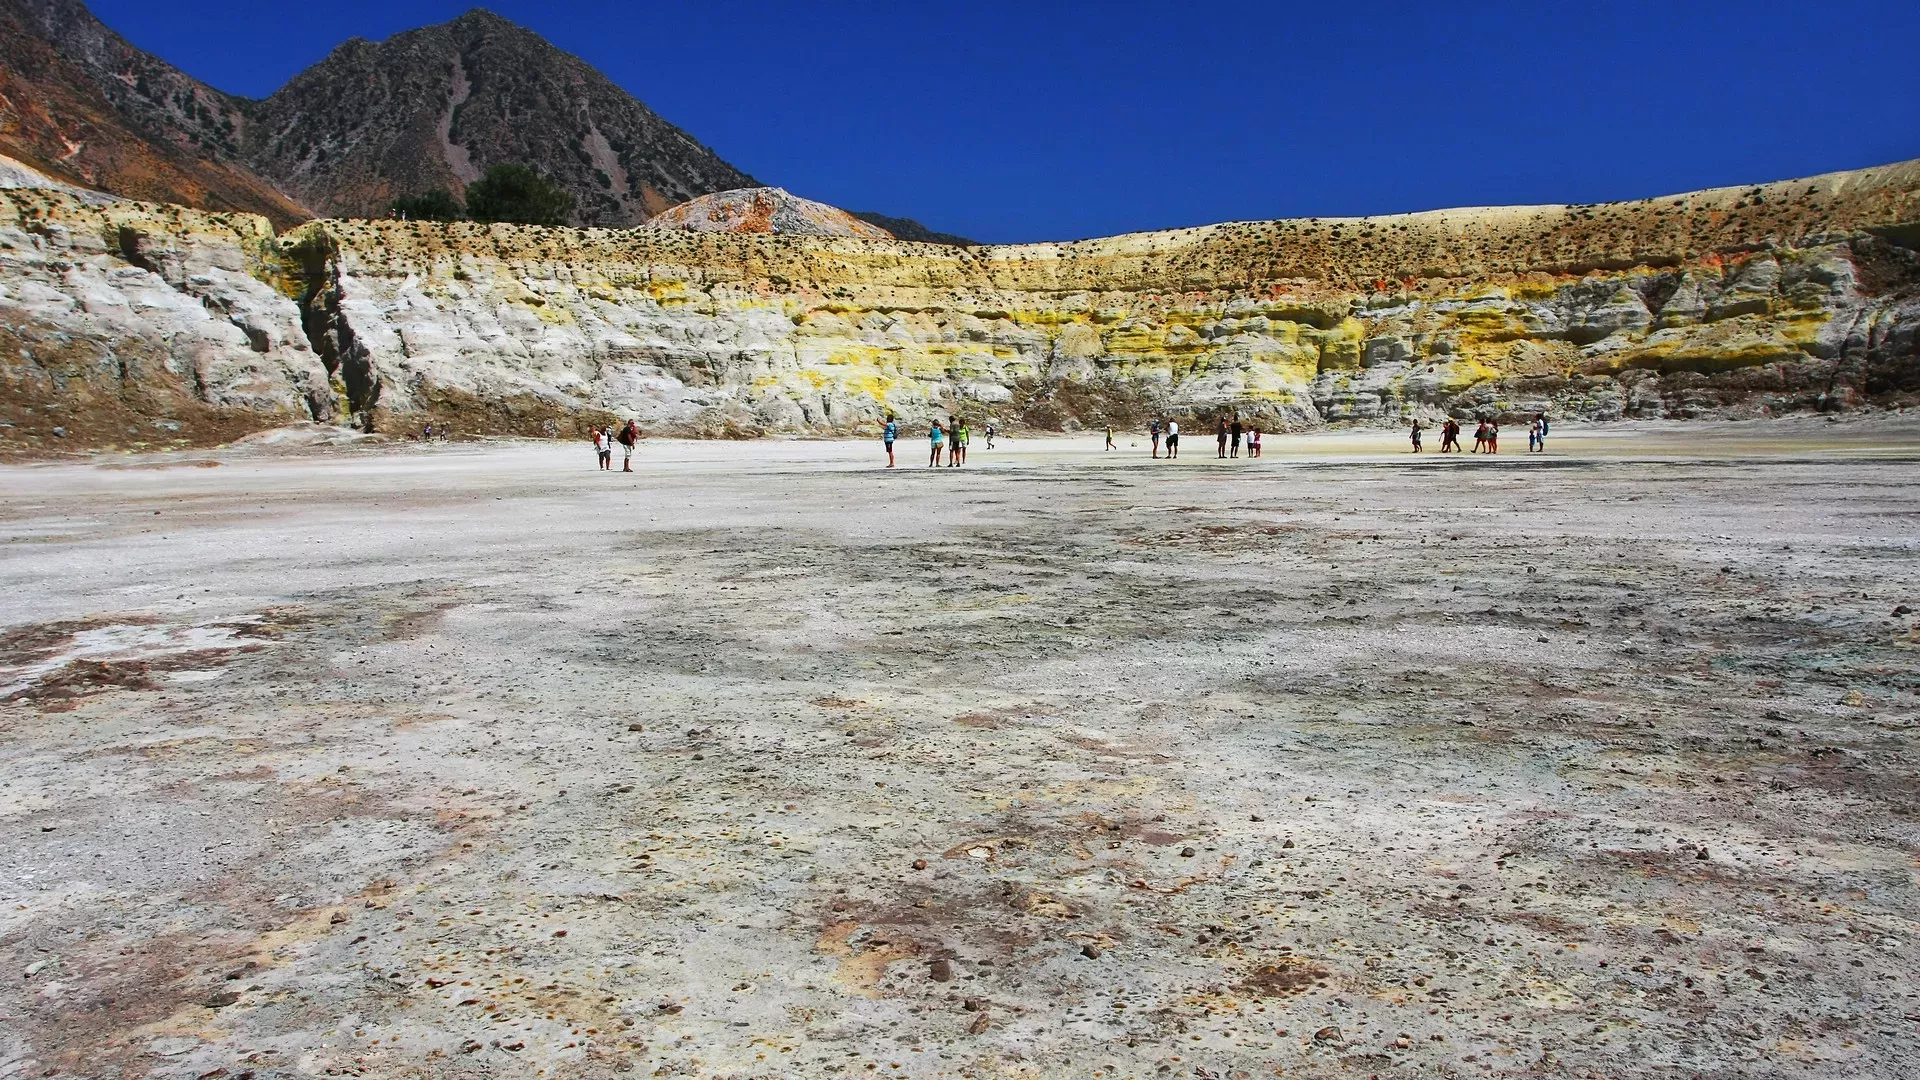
<point>764,210</point>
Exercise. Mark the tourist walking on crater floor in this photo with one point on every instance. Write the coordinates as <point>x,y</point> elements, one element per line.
<point>1537,434</point>
<point>629,438</point>
<point>1449,435</point>
<point>1493,436</point>
<point>1153,432</point>
<point>602,448</point>
<point>1235,433</point>
<point>1110,445</point>
<point>963,441</point>
<point>1173,439</point>
<point>937,436</point>
<point>1480,436</point>
<point>887,435</point>
<point>953,441</point>
<point>1414,433</point>
<point>1222,439</point>
<point>990,434</point>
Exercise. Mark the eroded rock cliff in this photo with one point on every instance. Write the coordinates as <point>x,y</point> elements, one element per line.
<point>1796,295</point>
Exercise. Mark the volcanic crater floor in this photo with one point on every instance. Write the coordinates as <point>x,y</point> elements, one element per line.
<point>472,761</point>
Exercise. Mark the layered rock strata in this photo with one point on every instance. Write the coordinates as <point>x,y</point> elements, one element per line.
<point>1797,295</point>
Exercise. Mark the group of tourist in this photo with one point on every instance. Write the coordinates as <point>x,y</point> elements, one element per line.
<point>948,442</point>
<point>604,438</point>
<point>1486,437</point>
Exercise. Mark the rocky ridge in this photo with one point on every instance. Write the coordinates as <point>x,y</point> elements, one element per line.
<point>80,103</point>
<point>764,210</point>
<point>1773,298</point>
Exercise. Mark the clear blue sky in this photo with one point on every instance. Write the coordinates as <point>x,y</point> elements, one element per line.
<point>1026,121</point>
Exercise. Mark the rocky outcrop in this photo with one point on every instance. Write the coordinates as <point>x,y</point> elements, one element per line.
<point>136,325</point>
<point>1799,295</point>
<point>764,210</point>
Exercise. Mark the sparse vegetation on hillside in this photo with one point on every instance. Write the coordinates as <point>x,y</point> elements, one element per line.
<point>518,194</point>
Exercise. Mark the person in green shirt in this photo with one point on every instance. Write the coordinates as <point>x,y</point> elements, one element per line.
<point>966,436</point>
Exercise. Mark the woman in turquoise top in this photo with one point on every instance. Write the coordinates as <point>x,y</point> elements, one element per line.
<point>936,436</point>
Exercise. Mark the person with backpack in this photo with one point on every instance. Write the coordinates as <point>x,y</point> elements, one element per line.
<point>887,435</point>
<point>602,451</point>
<point>1540,433</point>
<point>937,436</point>
<point>629,436</point>
<point>1153,432</point>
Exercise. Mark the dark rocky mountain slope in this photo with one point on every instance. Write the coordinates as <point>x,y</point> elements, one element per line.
<point>435,107</point>
<point>80,103</point>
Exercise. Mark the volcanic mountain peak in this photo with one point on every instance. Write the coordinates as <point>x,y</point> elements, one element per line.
<point>764,210</point>
<point>434,107</point>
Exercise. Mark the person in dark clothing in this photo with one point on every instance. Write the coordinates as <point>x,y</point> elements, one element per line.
<point>1234,433</point>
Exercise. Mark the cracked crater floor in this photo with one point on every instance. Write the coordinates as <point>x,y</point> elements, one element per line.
<point>473,761</point>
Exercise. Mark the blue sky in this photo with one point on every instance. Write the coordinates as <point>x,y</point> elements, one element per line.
<point>1030,121</point>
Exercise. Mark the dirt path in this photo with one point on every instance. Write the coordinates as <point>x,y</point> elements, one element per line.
<point>456,762</point>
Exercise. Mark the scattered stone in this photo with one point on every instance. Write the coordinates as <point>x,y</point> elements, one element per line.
<point>1327,1034</point>
<point>940,970</point>
<point>919,864</point>
<point>222,999</point>
<point>1188,853</point>
<point>1090,951</point>
<point>37,967</point>
<point>1288,844</point>
<point>337,918</point>
<point>979,1025</point>
<point>636,727</point>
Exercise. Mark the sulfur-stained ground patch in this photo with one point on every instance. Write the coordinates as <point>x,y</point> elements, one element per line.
<point>761,762</point>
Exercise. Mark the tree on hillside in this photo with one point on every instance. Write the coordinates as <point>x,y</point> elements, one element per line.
<point>436,205</point>
<point>520,195</point>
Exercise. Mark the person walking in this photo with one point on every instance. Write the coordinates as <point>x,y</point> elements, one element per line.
<point>1222,439</point>
<point>953,441</point>
<point>629,437</point>
<point>1173,439</point>
<point>1493,436</point>
<point>887,435</point>
<point>603,448</point>
<point>1540,432</point>
<point>990,434</point>
<point>1153,432</point>
<point>1236,432</point>
<point>1110,445</point>
<point>1480,437</point>
<point>937,436</point>
<point>1414,432</point>
<point>1449,435</point>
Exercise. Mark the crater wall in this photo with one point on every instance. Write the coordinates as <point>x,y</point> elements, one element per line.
<point>1736,302</point>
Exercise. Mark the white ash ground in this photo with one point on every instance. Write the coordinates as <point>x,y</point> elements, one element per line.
<point>474,761</point>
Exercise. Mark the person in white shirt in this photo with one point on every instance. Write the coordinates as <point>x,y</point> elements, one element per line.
<point>1173,439</point>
